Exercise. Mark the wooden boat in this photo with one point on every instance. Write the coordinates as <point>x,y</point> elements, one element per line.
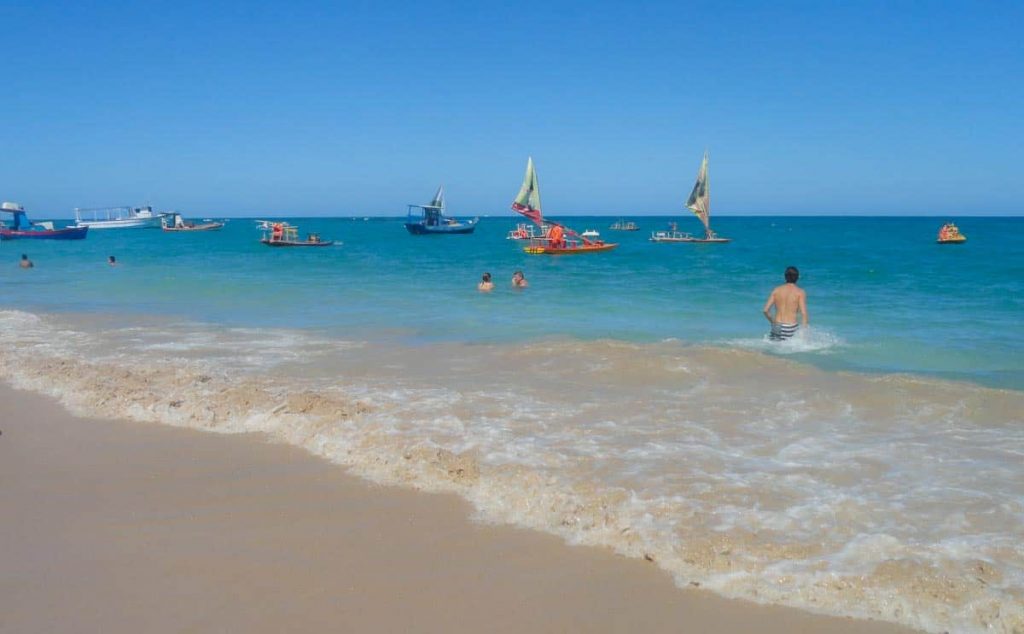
<point>23,229</point>
<point>557,239</point>
<point>430,219</point>
<point>282,234</point>
<point>624,225</point>
<point>950,234</point>
<point>172,221</point>
<point>700,204</point>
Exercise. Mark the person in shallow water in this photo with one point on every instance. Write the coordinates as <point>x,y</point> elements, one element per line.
<point>788,300</point>
<point>519,280</point>
<point>25,262</point>
<point>485,284</point>
<point>112,261</point>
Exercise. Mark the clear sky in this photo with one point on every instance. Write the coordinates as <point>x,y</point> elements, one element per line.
<point>357,108</point>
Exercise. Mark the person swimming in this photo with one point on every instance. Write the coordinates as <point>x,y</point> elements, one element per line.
<point>519,280</point>
<point>112,261</point>
<point>788,300</point>
<point>485,285</point>
<point>25,263</point>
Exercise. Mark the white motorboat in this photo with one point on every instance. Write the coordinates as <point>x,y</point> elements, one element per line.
<point>118,218</point>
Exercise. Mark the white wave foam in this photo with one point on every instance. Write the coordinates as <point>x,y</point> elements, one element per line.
<point>809,339</point>
<point>891,498</point>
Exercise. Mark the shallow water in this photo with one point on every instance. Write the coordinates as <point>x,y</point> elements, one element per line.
<point>628,400</point>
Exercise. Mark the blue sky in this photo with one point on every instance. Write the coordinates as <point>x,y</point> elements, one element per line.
<point>359,108</point>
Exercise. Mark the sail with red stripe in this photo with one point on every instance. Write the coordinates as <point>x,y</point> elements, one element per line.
<point>528,200</point>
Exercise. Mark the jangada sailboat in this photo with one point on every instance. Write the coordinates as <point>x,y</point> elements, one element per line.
<point>699,203</point>
<point>558,239</point>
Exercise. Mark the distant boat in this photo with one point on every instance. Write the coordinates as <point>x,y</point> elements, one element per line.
<point>118,218</point>
<point>282,234</point>
<point>23,229</point>
<point>624,225</point>
<point>950,234</point>
<point>431,219</point>
<point>700,204</point>
<point>172,221</point>
<point>558,239</point>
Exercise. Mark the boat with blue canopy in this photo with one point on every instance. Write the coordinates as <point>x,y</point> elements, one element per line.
<point>23,228</point>
<point>431,219</point>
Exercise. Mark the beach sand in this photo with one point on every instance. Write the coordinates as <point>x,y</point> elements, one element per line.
<point>112,526</point>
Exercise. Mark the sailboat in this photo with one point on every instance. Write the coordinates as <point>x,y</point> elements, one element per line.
<point>430,218</point>
<point>699,203</point>
<point>558,239</point>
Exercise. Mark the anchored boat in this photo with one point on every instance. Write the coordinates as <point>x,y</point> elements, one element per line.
<point>22,228</point>
<point>118,218</point>
<point>172,221</point>
<point>950,234</point>
<point>431,219</point>
<point>699,203</point>
<point>282,234</point>
<point>558,240</point>
<point>624,225</point>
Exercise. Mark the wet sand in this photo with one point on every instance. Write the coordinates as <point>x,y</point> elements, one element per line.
<point>112,526</point>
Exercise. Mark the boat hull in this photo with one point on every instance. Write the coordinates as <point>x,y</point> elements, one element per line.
<point>697,240</point>
<point>213,226</point>
<point>287,243</point>
<point>420,229</point>
<point>70,233</point>
<point>951,241</point>
<point>129,223</point>
<point>578,250</point>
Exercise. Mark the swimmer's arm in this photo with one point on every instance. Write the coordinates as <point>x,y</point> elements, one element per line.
<point>803,307</point>
<point>768,307</point>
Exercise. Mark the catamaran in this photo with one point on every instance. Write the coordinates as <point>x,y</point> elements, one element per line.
<point>430,218</point>
<point>118,218</point>
<point>558,240</point>
<point>700,204</point>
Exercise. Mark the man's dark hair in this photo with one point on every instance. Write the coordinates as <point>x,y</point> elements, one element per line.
<point>24,256</point>
<point>487,277</point>
<point>792,275</point>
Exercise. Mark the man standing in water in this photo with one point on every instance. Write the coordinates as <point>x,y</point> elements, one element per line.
<point>788,299</point>
<point>25,262</point>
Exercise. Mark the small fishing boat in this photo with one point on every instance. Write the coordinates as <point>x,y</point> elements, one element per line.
<point>430,219</point>
<point>558,239</point>
<point>700,204</point>
<point>172,221</point>
<point>624,225</point>
<point>21,228</point>
<point>118,218</point>
<point>950,234</point>
<point>282,234</point>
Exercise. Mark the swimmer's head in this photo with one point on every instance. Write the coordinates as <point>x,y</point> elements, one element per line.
<point>486,277</point>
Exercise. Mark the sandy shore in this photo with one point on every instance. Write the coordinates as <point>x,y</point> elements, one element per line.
<point>113,526</point>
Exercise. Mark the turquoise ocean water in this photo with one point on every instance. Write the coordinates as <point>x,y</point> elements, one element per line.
<point>872,466</point>
<point>882,295</point>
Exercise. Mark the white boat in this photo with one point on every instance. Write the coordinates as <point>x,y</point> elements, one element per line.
<point>700,204</point>
<point>593,234</point>
<point>118,218</point>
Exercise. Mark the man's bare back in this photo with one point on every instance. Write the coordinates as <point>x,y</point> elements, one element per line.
<point>788,300</point>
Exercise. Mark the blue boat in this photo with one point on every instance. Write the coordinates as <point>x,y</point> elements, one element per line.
<point>21,228</point>
<point>430,218</point>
